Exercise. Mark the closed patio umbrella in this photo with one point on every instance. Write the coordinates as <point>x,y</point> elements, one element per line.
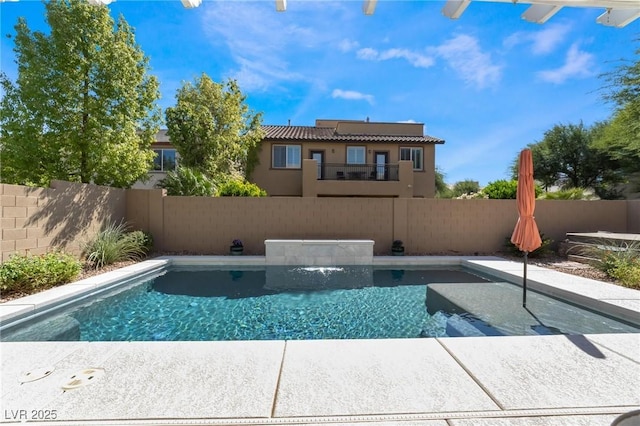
<point>526,235</point>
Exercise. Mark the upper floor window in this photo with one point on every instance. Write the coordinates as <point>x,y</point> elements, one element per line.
<point>286,156</point>
<point>165,160</point>
<point>356,155</point>
<point>412,154</point>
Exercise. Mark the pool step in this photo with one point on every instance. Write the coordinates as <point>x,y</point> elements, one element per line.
<point>459,327</point>
<point>61,328</point>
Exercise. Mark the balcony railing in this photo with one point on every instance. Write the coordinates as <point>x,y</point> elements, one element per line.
<point>371,172</point>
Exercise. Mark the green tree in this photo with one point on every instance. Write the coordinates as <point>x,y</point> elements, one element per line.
<point>83,107</point>
<point>568,158</point>
<point>620,138</point>
<point>213,129</point>
<point>466,186</point>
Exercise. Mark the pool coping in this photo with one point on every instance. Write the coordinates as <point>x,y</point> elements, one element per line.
<point>607,298</point>
<point>485,380</point>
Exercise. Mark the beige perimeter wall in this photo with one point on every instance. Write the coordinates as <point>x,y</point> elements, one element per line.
<point>35,220</point>
<point>430,226</point>
<point>64,216</point>
<point>633,215</point>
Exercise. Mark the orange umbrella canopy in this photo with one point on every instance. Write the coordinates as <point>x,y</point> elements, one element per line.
<point>526,235</point>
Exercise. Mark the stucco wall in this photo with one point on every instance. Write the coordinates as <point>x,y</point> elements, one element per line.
<point>66,215</point>
<point>288,182</point>
<point>633,216</point>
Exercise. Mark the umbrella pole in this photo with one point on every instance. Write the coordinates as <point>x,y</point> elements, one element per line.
<point>524,281</point>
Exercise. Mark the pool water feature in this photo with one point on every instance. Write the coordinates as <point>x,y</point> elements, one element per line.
<point>287,303</point>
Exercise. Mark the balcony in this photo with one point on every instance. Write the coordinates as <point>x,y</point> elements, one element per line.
<point>363,180</point>
<point>337,171</point>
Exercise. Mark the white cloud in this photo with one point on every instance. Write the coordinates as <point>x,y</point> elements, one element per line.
<point>543,41</point>
<point>347,45</point>
<point>351,95</point>
<point>416,59</point>
<point>367,53</point>
<point>577,64</point>
<point>260,47</point>
<point>469,62</point>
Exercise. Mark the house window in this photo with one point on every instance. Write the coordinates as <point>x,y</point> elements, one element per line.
<point>356,155</point>
<point>412,154</point>
<point>165,160</point>
<point>286,156</point>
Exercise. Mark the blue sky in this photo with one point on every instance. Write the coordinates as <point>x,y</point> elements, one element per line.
<point>488,83</point>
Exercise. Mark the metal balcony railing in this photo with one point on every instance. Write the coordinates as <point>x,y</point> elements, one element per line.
<point>370,172</point>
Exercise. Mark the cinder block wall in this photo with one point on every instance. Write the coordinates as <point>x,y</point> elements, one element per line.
<point>208,225</point>
<point>64,216</point>
<point>427,226</point>
<point>633,216</point>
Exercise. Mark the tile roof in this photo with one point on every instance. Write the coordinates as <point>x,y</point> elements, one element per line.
<point>328,134</point>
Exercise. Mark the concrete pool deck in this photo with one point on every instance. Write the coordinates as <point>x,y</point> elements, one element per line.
<point>517,380</point>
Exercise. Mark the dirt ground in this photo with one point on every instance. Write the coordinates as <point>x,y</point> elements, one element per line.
<point>567,266</point>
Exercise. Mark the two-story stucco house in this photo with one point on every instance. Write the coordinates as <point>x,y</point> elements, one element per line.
<point>335,158</point>
<point>166,160</point>
<point>347,158</point>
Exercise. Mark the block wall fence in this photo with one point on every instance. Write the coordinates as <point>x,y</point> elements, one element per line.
<point>37,220</point>
<point>64,216</point>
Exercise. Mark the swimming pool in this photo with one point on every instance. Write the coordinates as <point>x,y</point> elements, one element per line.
<point>194,303</point>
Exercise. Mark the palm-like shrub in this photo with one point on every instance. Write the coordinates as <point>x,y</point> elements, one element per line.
<point>187,182</point>
<point>544,250</point>
<point>113,244</point>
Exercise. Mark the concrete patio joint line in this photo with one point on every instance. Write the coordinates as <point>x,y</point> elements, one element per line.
<point>473,377</point>
<point>275,392</point>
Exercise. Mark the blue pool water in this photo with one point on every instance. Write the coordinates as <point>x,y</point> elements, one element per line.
<point>196,303</point>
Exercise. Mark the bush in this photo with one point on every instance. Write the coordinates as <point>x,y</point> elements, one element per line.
<point>543,250</point>
<point>27,273</point>
<point>627,273</point>
<point>187,182</point>
<point>143,239</point>
<point>619,261</point>
<point>115,244</point>
<point>240,188</point>
<point>505,190</point>
<point>467,186</point>
<point>501,189</point>
<point>567,194</point>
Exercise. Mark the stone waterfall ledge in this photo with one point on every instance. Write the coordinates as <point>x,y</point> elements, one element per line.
<point>319,252</point>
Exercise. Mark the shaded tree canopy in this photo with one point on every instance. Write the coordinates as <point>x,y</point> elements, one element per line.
<point>599,157</point>
<point>442,190</point>
<point>213,129</point>
<point>620,138</point>
<point>566,157</point>
<point>83,107</point>
<point>467,186</point>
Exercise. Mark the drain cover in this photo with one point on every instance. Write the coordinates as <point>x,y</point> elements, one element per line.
<point>83,378</point>
<point>35,374</point>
